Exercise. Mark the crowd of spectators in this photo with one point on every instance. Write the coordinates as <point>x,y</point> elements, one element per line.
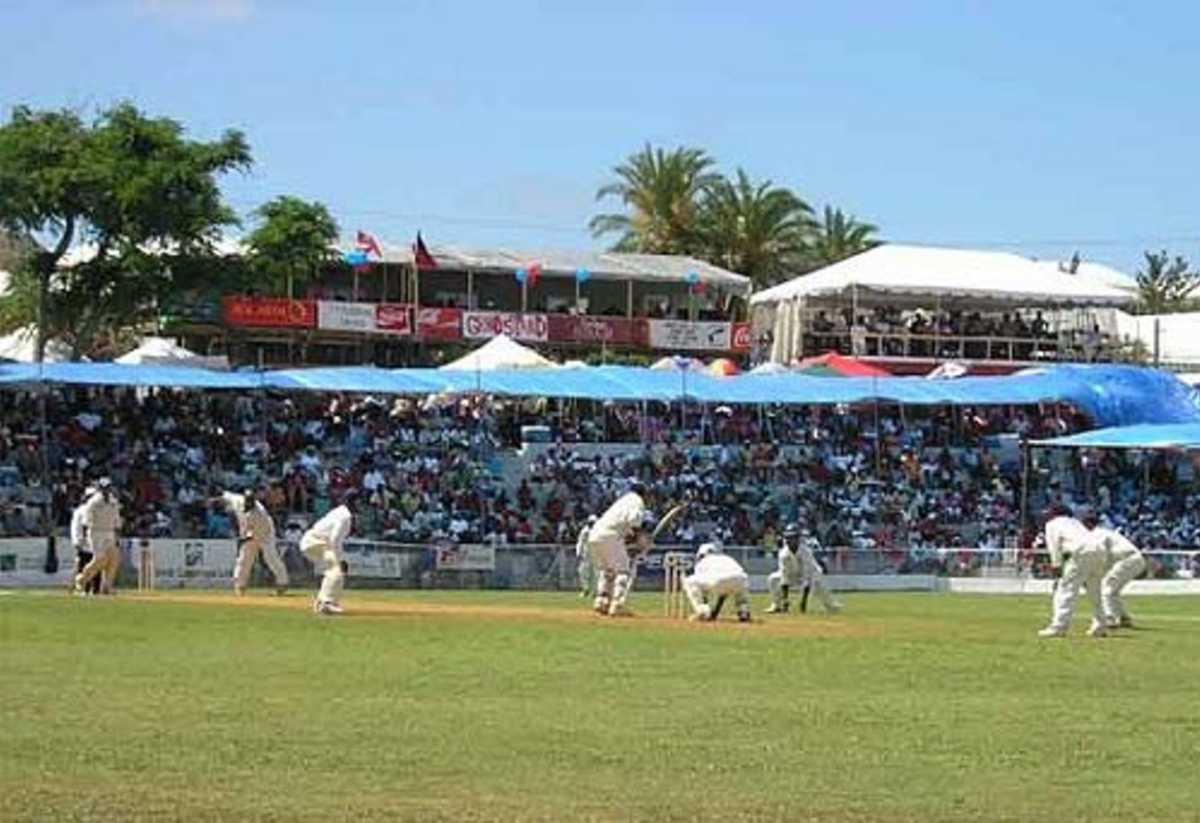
<point>908,481</point>
<point>887,331</point>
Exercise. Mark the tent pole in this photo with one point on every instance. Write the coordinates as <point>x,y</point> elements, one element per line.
<point>1024,491</point>
<point>878,445</point>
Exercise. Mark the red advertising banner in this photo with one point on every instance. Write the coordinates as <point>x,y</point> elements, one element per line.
<point>439,324</point>
<point>614,331</point>
<point>269,311</point>
<point>393,318</point>
<point>484,324</point>
<point>741,337</point>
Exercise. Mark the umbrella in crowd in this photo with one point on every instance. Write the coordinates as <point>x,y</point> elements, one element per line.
<point>722,367</point>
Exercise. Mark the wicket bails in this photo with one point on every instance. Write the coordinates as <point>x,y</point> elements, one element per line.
<point>145,569</point>
<point>675,566</point>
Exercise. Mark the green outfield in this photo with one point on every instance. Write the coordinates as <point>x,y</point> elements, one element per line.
<point>507,706</point>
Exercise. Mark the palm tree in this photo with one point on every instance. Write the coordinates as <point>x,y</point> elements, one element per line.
<point>837,237</point>
<point>659,190</point>
<point>759,230</point>
<point>1165,285</point>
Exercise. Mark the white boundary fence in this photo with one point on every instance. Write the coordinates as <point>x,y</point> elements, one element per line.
<point>209,563</point>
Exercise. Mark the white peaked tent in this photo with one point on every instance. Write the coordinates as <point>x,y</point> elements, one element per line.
<point>925,272</point>
<point>159,351</point>
<point>21,346</point>
<point>500,352</point>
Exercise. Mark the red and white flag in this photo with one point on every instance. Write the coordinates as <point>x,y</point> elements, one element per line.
<point>367,243</point>
<point>421,256</point>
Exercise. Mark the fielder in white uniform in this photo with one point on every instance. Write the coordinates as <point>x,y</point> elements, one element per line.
<point>79,542</point>
<point>583,559</point>
<point>1127,565</point>
<point>256,533</point>
<point>101,517</point>
<point>1083,561</point>
<point>323,544</point>
<point>716,575</point>
<point>607,539</point>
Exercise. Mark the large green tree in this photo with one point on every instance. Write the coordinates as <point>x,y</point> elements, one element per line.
<point>836,237</point>
<point>132,190</point>
<point>756,229</point>
<point>1166,284</point>
<point>659,190</point>
<point>292,241</point>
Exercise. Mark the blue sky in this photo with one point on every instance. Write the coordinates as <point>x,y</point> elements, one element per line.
<point>1027,126</point>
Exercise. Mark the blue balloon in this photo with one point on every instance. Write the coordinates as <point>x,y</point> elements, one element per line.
<point>355,258</point>
<point>582,274</point>
<point>521,275</point>
<point>692,277</point>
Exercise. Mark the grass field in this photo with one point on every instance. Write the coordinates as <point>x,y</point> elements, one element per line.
<point>505,706</point>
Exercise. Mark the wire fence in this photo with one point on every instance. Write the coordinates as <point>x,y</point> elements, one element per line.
<point>555,566</point>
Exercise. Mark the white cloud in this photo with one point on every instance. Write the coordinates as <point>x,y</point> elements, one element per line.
<point>197,11</point>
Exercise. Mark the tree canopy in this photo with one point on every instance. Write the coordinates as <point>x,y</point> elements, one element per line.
<point>759,230</point>
<point>132,190</point>
<point>837,237</point>
<point>675,203</point>
<point>293,240</point>
<point>1166,284</point>
<point>660,191</point>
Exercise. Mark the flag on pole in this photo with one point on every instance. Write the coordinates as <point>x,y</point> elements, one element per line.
<point>421,256</point>
<point>367,243</point>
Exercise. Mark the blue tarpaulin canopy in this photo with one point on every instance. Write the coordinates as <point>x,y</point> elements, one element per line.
<point>1109,395</point>
<point>1148,436</point>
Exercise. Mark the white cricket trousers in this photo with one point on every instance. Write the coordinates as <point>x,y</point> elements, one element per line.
<point>325,556</point>
<point>699,590</point>
<point>245,562</point>
<point>610,559</point>
<point>106,561</point>
<point>775,583</point>
<point>1085,567</point>
<point>1118,577</point>
<point>818,586</point>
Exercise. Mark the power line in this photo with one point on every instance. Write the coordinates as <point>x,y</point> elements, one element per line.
<point>1143,241</point>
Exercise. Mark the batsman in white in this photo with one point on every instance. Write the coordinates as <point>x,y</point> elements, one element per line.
<point>1083,562</point>
<point>583,559</point>
<point>623,522</point>
<point>786,574</point>
<point>101,517</point>
<point>1127,564</point>
<point>813,576</point>
<point>324,544</point>
<point>79,541</point>
<point>256,533</point>
<point>716,575</point>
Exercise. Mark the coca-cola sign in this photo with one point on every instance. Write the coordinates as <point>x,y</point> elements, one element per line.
<point>741,337</point>
<point>393,318</point>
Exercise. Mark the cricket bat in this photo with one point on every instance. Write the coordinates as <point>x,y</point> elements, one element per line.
<point>667,519</point>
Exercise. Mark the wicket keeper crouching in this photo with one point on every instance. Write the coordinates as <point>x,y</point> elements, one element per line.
<point>717,575</point>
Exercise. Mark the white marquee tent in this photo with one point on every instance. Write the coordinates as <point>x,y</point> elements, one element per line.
<point>924,277</point>
<point>928,272</point>
<point>500,352</point>
<point>21,346</point>
<point>159,351</point>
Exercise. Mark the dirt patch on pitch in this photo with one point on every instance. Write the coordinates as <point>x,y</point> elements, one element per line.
<point>366,607</point>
